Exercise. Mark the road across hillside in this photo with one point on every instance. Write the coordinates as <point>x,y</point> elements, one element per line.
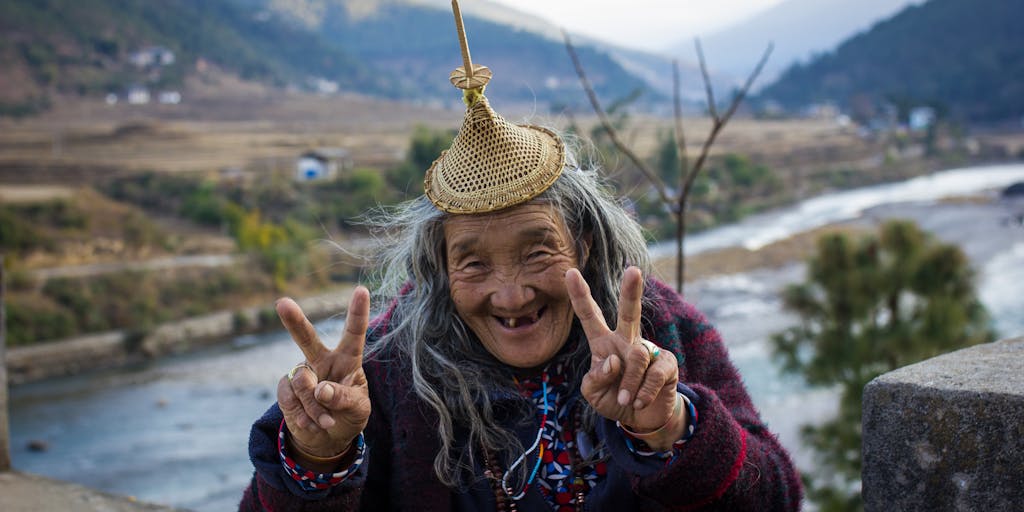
<point>197,260</point>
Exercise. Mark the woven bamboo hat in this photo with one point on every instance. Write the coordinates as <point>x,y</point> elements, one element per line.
<point>492,164</point>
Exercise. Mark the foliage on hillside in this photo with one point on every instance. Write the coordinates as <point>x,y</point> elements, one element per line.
<point>133,300</point>
<point>275,222</point>
<point>963,58</point>
<point>51,225</point>
<point>74,47</point>
<point>869,307</point>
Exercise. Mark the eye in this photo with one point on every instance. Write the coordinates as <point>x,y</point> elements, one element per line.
<point>471,265</point>
<point>537,255</point>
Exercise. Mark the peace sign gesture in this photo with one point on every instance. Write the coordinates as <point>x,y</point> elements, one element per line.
<point>628,381</point>
<point>325,399</point>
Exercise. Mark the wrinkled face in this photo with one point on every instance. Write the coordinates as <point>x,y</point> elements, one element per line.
<point>507,276</point>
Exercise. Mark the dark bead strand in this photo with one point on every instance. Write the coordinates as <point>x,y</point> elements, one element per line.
<point>578,485</point>
<point>575,458</point>
<point>501,497</point>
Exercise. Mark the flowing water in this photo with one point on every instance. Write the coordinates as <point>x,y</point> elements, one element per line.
<point>175,431</point>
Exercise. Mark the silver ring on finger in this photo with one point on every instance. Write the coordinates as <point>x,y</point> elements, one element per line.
<point>652,350</point>
<point>296,368</point>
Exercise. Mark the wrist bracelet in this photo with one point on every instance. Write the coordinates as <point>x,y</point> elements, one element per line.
<point>648,435</point>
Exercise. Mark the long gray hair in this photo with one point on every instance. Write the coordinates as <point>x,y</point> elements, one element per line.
<point>452,372</point>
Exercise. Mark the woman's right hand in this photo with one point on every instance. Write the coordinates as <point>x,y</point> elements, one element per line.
<point>326,411</point>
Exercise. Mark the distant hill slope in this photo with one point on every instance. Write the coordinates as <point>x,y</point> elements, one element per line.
<point>963,57</point>
<point>799,29</point>
<point>654,69</point>
<point>76,47</point>
<point>413,43</point>
<point>388,48</point>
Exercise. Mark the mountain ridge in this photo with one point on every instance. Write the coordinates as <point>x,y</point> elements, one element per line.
<point>397,49</point>
<point>798,29</point>
<point>914,59</point>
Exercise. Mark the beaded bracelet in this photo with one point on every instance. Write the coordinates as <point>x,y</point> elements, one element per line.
<point>672,454</point>
<point>310,481</point>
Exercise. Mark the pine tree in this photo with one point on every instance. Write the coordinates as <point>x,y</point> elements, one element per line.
<point>870,306</point>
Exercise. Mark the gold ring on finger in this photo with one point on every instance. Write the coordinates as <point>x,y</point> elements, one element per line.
<point>296,368</point>
<point>652,349</point>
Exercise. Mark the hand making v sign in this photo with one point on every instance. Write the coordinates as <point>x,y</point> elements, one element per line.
<point>325,399</point>
<point>630,380</point>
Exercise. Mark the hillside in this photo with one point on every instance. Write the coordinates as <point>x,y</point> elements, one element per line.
<point>799,29</point>
<point>413,43</point>
<point>385,48</point>
<point>965,59</point>
<point>55,47</point>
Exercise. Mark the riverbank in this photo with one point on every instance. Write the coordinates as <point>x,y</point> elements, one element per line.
<point>62,358</point>
<point>118,348</point>
<point>23,492</point>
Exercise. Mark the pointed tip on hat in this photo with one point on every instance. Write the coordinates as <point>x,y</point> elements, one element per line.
<point>492,164</point>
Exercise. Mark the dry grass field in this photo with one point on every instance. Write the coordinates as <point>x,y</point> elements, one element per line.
<point>238,125</point>
<point>258,131</point>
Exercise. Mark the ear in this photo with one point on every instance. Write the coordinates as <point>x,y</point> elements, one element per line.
<point>583,248</point>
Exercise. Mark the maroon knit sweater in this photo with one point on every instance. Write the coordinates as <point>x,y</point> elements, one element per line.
<point>732,462</point>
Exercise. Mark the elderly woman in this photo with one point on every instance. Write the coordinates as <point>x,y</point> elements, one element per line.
<point>524,361</point>
<point>512,328</point>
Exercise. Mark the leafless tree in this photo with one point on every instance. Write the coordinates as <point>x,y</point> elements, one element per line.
<point>675,202</point>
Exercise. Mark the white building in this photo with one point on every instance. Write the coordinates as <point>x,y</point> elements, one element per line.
<point>321,164</point>
<point>921,118</point>
<point>152,56</point>
<point>137,95</point>
<point>169,97</point>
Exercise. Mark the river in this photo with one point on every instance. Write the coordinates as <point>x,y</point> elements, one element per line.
<point>175,431</point>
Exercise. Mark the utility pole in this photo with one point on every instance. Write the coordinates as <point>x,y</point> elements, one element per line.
<point>5,433</point>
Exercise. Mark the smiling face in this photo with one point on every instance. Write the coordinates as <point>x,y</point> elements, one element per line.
<point>506,271</point>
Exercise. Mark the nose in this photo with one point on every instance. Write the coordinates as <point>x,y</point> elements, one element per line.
<point>510,292</point>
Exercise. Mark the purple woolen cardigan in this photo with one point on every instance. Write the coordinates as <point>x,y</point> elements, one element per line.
<point>732,462</point>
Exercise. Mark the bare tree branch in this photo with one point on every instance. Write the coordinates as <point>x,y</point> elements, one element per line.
<point>742,93</point>
<point>612,133</point>
<point>678,110</point>
<point>719,123</point>
<point>712,107</point>
<point>687,175</point>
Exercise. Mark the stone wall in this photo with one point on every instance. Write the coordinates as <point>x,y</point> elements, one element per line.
<point>5,443</point>
<point>104,350</point>
<point>947,434</point>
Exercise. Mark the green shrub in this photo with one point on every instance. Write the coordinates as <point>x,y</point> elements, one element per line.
<point>16,234</point>
<point>31,322</point>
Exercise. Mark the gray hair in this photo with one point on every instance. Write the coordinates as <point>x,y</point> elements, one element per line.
<point>452,372</point>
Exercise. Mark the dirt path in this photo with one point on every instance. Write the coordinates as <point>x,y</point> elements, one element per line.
<point>199,260</point>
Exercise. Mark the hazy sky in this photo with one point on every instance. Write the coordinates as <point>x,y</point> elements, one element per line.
<point>647,24</point>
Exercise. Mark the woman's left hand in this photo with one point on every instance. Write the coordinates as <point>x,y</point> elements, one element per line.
<point>625,383</point>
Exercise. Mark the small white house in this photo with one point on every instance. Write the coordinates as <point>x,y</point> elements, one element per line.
<point>170,97</point>
<point>921,118</point>
<point>321,164</point>
<point>152,56</point>
<point>137,95</point>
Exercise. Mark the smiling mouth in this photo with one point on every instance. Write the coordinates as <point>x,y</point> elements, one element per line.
<point>522,321</point>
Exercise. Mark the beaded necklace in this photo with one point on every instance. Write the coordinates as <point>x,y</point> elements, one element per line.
<point>577,480</point>
<point>537,445</point>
